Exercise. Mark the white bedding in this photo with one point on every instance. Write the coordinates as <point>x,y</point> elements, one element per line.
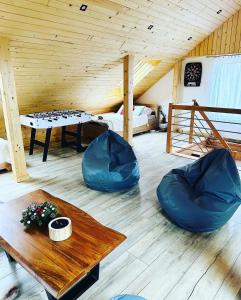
<point>4,152</point>
<point>115,120</point>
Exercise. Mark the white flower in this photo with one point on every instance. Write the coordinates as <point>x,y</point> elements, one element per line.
<point>35,214</point>
<point>42,215</point>
<point>28,222</point>
<point>53,208</point>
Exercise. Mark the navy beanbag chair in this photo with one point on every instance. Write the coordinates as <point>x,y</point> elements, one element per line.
<point>204,195</point>
<point>109,164</point>
<point>128,297</point>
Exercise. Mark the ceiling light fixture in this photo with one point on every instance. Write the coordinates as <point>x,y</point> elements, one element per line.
<point>219,11</point>
<point>190,38</point>
<point>150,27</point>
<point>83,7</point>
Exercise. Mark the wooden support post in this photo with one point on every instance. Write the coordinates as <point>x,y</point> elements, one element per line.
<point>128,97</point>
<point>191,129</point>
<point>176,87</point>
<point>169,130</point>
<point>176,82</point>
<point>11,113</point>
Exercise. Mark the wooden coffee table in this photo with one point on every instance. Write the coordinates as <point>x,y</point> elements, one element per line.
<point>66,269</point>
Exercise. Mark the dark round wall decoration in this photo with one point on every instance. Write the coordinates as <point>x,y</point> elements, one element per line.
<point>193,74</point>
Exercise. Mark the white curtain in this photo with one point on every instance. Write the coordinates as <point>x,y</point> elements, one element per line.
<point>225,86</point>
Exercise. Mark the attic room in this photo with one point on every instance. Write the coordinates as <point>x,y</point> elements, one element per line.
<point>120,149</point>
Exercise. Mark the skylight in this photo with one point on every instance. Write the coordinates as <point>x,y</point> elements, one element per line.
<point>141,70</point>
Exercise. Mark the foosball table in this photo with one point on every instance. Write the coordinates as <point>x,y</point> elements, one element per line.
<point>53,119</point>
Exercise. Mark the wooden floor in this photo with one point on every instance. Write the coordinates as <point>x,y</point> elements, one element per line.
<point>158,260</point>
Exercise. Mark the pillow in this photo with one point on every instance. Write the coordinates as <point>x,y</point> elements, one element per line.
<point>121,110</point>
<point>147,111</point>
<point>138,110</point>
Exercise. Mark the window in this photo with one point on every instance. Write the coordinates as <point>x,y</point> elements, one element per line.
<point>141,70</point>
<point>225,86</point>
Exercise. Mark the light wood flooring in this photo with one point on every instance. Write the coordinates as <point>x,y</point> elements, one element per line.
<point>158,260</point>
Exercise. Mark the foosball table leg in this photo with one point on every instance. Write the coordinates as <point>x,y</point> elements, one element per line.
<point>32,140</point>
<point>79,146</point>
<point>46,144</point>
<point>63,140</point>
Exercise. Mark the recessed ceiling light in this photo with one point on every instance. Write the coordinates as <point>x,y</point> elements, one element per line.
<point>150,27</point>
<point>219,11</point>
<point>83,7</point>
<point>190,38</point>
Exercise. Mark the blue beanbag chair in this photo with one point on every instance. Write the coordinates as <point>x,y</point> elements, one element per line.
<point>204,195</point>
<point>128,297</point>
<point>109,164</point>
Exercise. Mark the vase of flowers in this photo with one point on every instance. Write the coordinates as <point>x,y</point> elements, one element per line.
<point>39,214</point>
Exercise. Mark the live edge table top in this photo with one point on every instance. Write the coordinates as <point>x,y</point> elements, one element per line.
<point>56,265</point>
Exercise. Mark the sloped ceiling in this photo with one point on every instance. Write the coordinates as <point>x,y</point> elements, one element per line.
<point>64,56</point>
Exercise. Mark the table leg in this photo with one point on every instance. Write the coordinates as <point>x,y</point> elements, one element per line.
<point>46,144</point>
<point>79,146</point>
<point>82,286</point>
<point>63,140</point>
<point>32,140</point>
<point>50,297</point>
<point>10,258</point>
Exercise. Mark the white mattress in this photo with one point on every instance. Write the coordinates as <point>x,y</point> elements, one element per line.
<point>115,120</point>
<point>4,152</point>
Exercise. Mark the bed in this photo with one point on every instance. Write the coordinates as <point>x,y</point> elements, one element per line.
<point>144,120</point>
<point>5,162</point>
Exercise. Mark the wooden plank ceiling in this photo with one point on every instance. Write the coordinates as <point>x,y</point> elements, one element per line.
<point>66,57</point>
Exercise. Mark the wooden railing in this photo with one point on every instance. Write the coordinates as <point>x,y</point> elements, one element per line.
<point>191,132</point>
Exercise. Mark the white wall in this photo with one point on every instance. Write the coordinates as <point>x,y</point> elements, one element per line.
<point>201,94</point>
<point>187,94</point>
<point>160,93</point>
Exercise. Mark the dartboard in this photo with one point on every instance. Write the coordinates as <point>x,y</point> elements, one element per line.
<point>193,74</point>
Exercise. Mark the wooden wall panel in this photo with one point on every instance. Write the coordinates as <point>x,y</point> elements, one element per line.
<point>224,40</point>
<point>66,58</point>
